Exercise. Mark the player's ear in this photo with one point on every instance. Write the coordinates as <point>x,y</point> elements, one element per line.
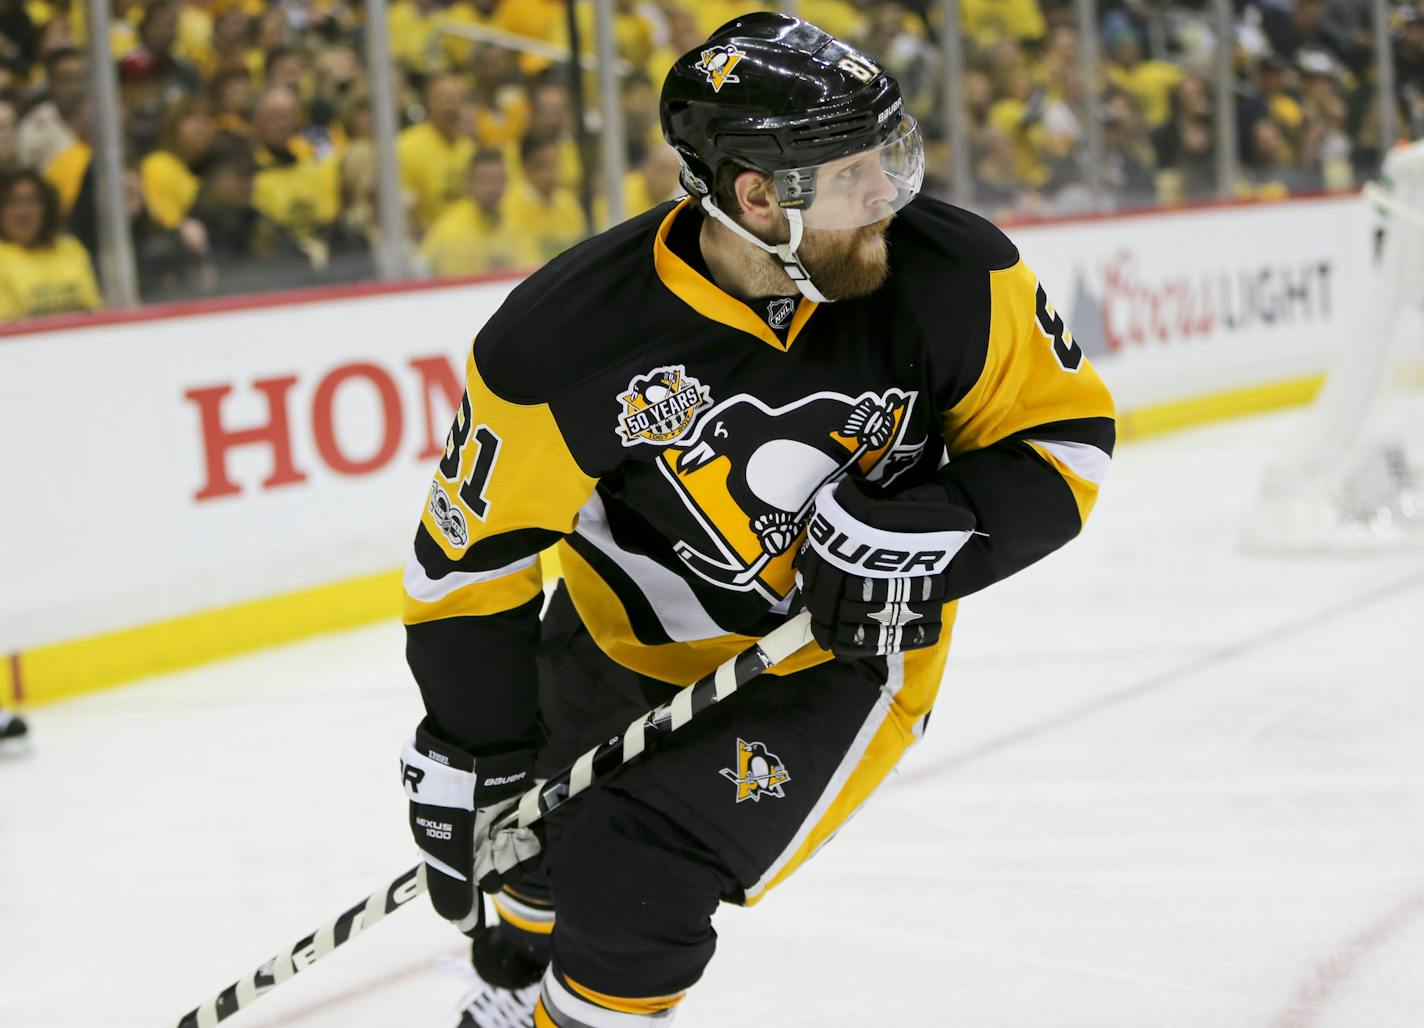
<point>757,198</point>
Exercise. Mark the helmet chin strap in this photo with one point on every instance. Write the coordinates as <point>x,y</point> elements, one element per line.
<point>785,252</point>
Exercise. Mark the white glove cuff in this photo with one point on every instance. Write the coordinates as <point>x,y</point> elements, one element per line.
<point>428,781</point>
<point>869,552</point>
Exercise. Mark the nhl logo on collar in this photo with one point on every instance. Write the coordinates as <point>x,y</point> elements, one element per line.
<point>661,406</point>
<point>717,63</point>
<point>779,311</point>
<point>759,773</point>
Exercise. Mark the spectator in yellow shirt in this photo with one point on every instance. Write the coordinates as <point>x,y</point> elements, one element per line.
<point>540,206</point>
<point>284,69</point>
<point>551,118</point>
<point>170,173</point>
<point>231,39</point>
<point>1148,82</point>
<point>232,103</point>
<point>50,126</point>
<point>42,269</point>
<point>65,172</point>
<point>500,105</point>
<point>476,235</point>
<point>292,188</point>
<point>1018,116</point>
<point>435,154</point>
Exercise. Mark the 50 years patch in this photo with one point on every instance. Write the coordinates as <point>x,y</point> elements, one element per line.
<point>660,407</point>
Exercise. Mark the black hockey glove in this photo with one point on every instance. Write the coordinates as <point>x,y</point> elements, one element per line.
<point>872,570</point>
<point>455,799</point>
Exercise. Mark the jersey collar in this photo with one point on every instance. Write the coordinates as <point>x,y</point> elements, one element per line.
<point>707,299</point>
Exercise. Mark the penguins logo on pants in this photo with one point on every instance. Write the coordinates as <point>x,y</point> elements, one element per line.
<point>759,773</point>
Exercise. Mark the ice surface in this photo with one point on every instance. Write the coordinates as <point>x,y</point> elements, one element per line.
<point>1166,785</point>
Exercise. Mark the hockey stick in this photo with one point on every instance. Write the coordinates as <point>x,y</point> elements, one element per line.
<point>590,769</point>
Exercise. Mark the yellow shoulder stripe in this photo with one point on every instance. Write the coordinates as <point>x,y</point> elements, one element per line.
<point>1022,383</point>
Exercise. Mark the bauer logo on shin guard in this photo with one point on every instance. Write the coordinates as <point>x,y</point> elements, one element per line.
<point>759,773</point>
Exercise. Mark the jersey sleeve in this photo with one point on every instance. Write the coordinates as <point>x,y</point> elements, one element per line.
<point>1031,439</point>
<point>505,488</point>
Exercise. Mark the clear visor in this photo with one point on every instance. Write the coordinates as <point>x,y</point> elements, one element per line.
<point>861,189</point>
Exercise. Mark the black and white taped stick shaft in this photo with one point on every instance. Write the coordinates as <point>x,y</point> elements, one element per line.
<point>601,761</point>
<point>588,770</point>
<point>307,951</point>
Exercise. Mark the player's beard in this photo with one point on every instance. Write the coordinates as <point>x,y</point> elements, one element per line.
<point>847,263</point>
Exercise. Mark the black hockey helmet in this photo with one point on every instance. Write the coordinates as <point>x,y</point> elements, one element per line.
<point>778,95</point>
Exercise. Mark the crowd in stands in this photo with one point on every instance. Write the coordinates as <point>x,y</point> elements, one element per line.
<point>249,160</point>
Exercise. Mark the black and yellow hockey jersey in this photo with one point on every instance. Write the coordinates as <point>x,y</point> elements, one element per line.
<point>669,437</point>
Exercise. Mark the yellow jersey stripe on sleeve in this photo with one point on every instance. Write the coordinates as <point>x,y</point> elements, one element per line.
<point>1033,374</point>
<point>1076,471</point>
<point>468,594</point>
<point>506,467</point>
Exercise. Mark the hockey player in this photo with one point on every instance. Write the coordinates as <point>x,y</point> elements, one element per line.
<point>801,341</point>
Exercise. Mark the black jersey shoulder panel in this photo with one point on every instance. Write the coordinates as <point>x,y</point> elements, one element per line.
<point>932,233</point>
<point>941,258</point>
<point>588,309</point>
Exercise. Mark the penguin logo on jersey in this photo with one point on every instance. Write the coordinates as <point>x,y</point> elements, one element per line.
<point>660,407</point>
<point>717,63</point>
<point>779,311</point>
<point>759,773</point>
<point>748,474</point>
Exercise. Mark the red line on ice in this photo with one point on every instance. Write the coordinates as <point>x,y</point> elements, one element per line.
<point>1327,977</point>
<point>1172,676</point>
<point>1325,980</point>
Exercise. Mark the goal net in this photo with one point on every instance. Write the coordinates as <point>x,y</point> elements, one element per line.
<point>1351,476</point>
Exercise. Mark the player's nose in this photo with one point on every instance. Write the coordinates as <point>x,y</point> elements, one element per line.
<point>879,190</point>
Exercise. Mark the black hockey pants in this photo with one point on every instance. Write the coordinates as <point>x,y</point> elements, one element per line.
<point>722,810</point>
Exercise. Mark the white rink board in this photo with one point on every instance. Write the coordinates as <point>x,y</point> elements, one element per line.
<point>105,458</point>
<point>128,539</point>
<point>1174,306</point>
